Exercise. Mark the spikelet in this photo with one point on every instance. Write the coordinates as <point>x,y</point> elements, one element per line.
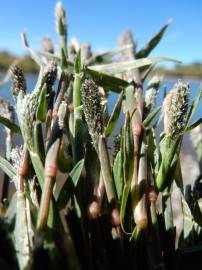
<point>175,108</point>
<point>151,93</point>
<point>50,75</point>
<point>26,110</point>
<point>60,15</point>
<point>92,110</point>
<point>18,81</point>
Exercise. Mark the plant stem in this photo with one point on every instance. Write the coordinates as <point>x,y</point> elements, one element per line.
<point>50,176</point>
<point>139,203</point>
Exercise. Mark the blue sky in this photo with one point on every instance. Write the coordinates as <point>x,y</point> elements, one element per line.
<point>101,22</point>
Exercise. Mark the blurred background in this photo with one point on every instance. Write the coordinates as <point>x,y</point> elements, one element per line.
<point>101,22</point>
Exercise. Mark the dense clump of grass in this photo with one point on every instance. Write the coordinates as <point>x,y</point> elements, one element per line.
<point>104,213</point>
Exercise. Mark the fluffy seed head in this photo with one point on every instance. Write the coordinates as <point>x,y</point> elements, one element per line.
<point>175,108</point>
<point>92,109</point>
<point>151,93</point>
<point>18,81</point>
<point>26,109</point>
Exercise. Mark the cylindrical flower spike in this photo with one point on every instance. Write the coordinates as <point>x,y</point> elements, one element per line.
<point>18,81</point>
<point>175,110</point>
<point>92,110</point>
<point>175,117</point>
<point>50,75</point>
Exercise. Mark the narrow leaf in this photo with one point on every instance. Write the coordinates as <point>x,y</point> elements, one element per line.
<point>194,125</point>
<point>11,210</point>
<point>178,176</point>
<point>70,184</point>
<point>153,152</point>
<point>152,43</point>
<point>77,65</point>
<point>118,174</point>
<point>194,106</point>
<point>42,106</point>
<point>124,200</point>
<point>108,82</point>
<point>7,168</point>
<point>120,67</point>
<point>6,122</point>
<point>21,232</point>
<point>114,117</point>
<point>76,172</point>
<point>187,218</point>
<point>198,212</point>
<point>106,56</point>
<point>150,118</point>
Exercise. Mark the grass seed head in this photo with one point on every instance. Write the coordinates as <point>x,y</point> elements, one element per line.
<point>18,81</point>
<point>92,109</point>
<point>175,109</point>
<point>51,75</point>
<point>152,91</point>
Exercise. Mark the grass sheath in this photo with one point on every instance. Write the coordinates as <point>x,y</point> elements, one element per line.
<point>106,170</point>
<point>51,167</point>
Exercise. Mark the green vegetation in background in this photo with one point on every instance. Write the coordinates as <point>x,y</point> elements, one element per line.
<point>28,65</point>
<point>193,70</point>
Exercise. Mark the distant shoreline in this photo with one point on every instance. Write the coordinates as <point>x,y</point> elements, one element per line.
<point>192,71</point>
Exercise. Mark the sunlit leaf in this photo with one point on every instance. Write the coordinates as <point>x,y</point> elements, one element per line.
<point>106,56</point>
<point>120,67</point>
<point>152,43</point>
<point>108,82</point>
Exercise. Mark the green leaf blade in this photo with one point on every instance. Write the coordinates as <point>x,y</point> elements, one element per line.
<point>7,168</point>
<point>150,118</point>
<point>118,174</point>
<point>70,184</point>
<point>108,82</point>
<point>42,106</point>
<point>13,127</point>
<point>152,43</point>
<point>120,67</point>
<point>194,106</point>
<point>114,117</point>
